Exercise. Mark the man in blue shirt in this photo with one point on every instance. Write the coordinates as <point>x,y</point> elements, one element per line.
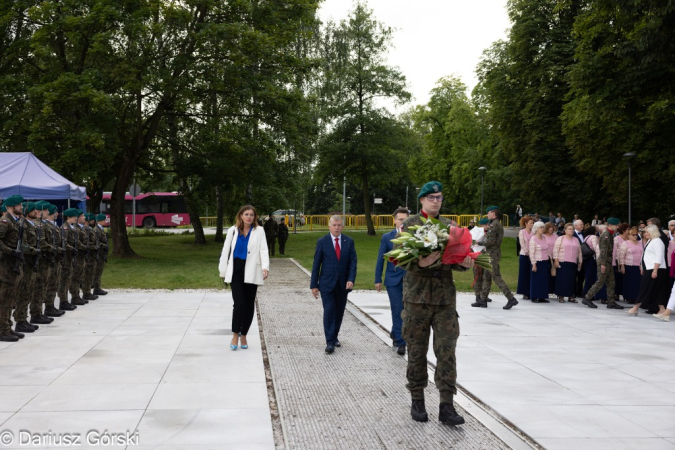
<point>393,280</point>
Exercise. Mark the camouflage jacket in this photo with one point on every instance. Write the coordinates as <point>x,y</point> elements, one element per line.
<point>606,245</point>
<point>46,239</point>
<point>103,238</point>
<point>93,243</point>
<point>493,238</point>
<point>9,236</point>
<point>70,236</point>
<point>429,286</point>
<point>55,233</point>
<point>29,242</point>
<point>80,239</point>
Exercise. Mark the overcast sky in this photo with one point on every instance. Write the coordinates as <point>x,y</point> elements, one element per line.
<point>434,38</point>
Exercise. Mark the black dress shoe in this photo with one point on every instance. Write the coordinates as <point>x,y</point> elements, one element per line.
<point>511,303</point>
<point>479,304</point>
<point>50,311</point>
<point>589,303</point>
<point>78,301</point>
<point>40,320</point>
<point>24,327</point>
<point>100,292</point>
<point>19,335</point>
<point>47,318</point>
<point>337,344</point>
<point>89,297</point>
<point>66,306</point>
<point>614,306</point>
<point>401,350</point>
<point>535,300</point>
<point>418,411</point>
<point>448,415</point>
<point>8,338</point>
<point>330,348</point>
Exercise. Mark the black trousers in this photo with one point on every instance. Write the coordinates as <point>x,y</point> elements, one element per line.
<point>243,295</point>
<point>282,245</point>
<point>579,282</point>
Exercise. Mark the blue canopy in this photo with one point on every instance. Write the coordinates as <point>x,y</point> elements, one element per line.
<point>25,175</point>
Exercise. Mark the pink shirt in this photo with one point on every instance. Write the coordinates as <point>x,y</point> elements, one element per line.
<point>671,250</point>
<point>551,238</point>
<point>539,249</point>
<point>524,238</point>
<point>618,240</point>
<point>567,250</point>
<point>594,243</point>
<point>630,254</point>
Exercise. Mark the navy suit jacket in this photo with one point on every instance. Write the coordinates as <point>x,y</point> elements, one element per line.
<point>393,275</point>
<point>327,271</point>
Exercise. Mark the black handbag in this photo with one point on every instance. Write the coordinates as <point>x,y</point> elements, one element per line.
<point>586,251</point>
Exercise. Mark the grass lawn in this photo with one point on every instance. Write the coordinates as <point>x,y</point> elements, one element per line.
<point>174,262</point>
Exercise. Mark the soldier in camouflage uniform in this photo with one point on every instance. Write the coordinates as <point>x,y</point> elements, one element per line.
<point>480,275</point>
<point>69,243</point>
<point>102,239</point>
<point>52,284</point>
<point>92,257</point>
<point>493,246</point>
<point>429,297</point>
<point>31,255</point>
<point>605,271</point>
<point>80,262</point>
<point>39,289</point>
<point>11,266</point>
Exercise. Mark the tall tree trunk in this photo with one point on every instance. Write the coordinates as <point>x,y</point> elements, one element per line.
<point>366,205</point>
<point>193,212</point>
<point>220,213</point>
<point>118,228</point>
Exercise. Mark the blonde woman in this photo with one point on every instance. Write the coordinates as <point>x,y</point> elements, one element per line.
<point>245,264</point>
<point>524,265</point>
<point>540,257</point>
<point>653,284</point>
<point>551,237</point>
<point>567,259</point>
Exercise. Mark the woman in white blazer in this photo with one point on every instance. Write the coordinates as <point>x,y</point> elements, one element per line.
<point>653,282</point>
<point>245,264</point>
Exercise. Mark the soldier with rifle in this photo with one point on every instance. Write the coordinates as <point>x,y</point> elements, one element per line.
<point>43,266</point>
<point>80,262</point>
<point>92,261</point>
<point>69,247</point>
<point>11,264</point>
<point>31,254</point>
<point>56,263</point>
<point>102,239</point>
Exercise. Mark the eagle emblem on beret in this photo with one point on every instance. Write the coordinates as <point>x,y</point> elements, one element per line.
<point>435,188</point>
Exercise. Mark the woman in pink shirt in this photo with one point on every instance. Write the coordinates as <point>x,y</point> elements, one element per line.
<point>567,258</point>
<point>540,258</point>
<point>550,236</point>
<point>629,257</point>
<point>620,236</point>
<point>524,265</point>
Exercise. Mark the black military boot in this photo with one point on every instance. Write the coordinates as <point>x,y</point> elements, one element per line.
<point>40,320</point>
<point>89,296</point>
<point>25,327</point>
<point>50,311</point>
<point>588,302</point>
<point>488,299</point>
<point>418,411</point>
<point>99,291</point>
<point>511,303</point>
<point>448,415</point>
<point>8,337</point>
<point>19,335</point>
<point>78,301</point>
<point>46,318</point>
<point>66,306</point>
<point>480,303</point>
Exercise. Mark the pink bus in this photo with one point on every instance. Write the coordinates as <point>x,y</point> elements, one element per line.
<point>153,209</point>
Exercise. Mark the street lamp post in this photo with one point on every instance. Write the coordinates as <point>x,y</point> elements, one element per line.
<point>482,184</point>
<point>418,202</point>
<point>349,205</point>
<point>629,156</point>
<point>406,197</point>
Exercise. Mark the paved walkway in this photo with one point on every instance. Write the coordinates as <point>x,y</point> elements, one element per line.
<point>156,363</point>
<point>569,376</point>
<point>354,398</point>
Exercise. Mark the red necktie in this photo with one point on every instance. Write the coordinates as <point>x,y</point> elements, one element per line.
<point>337,248</point>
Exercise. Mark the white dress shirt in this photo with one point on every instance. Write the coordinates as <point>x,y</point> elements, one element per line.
<point>339,239</point>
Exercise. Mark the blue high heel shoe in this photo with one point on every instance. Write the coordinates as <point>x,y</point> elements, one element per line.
<point>234,347</point>
<point>244,347</point>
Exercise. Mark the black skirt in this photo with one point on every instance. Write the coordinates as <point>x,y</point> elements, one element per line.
<point>565,278</point>
<point>631,283</point>
<point>524,269</point>
<point>618,280</point>
<point>539,280</point>
<point>654,291</point>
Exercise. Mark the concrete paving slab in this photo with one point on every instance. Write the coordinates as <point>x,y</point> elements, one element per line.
<point>92,397</point>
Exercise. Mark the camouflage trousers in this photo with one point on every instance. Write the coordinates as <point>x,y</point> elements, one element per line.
<point>24,294</point>
<point>79,268</point>
<point>606,278</point>
<point>99,273</point>
<point>89,274</point>
<point>40,287</point>
<point>8,292</point>
<point>480,276</point>
<point>52,284</point>
<point>65,279</point>
<point>418,320</point>
<point>496,276</point>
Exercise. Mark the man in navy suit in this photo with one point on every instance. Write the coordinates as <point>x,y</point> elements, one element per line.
<point>333,275</point>
<point>393,280</point>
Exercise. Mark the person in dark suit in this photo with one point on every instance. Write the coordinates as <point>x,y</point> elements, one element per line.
<point>333,275</point>
<point>393,280</point>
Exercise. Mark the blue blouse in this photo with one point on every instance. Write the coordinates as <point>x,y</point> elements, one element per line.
<point>241,249</point>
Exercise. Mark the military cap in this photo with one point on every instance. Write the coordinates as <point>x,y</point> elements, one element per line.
<point>41,205</point>
<point>28,207</point>
<point>13,200</point>
<point>491,208</point>
<point>432,187</point>
<point>3,208</point>
<point>100,217</point>
<point>483,221</point>
<point>90,217</point>
<point>52,209</point>
<point>613,221</point>
<point>79,212</point>
<point>71,212</point>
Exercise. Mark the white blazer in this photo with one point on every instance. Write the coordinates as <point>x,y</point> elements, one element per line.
<point>257,258</point>
<point>654,253</point>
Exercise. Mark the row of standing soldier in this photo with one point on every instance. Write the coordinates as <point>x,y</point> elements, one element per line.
<point>40,260</point>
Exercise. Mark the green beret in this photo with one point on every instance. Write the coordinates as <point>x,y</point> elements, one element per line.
<point>13,200</point>
<point>3,209</point>
<point>79,212</point>
<point>101,217</point>
<point>71,212</point>
<point>52,209</point>
<point>491,208</point>
<point>483,221</point>
<point>613,221</point>
<point>28,207</point>
<point>41,205</point>
<point>91,216</point>
<point>432,187</point>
